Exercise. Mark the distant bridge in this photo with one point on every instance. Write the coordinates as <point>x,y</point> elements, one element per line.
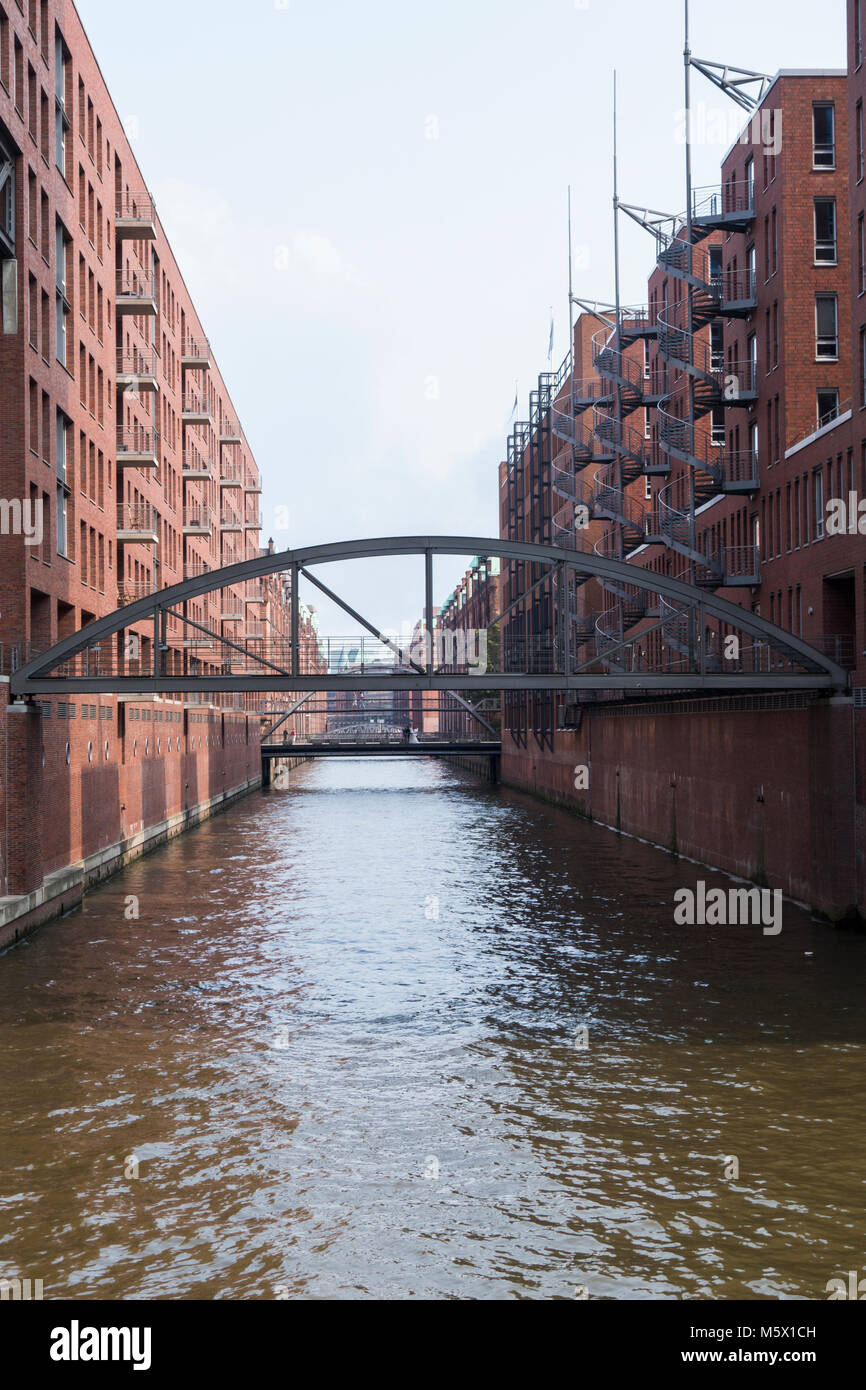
<point>443,747</point>
<point>345,747</point>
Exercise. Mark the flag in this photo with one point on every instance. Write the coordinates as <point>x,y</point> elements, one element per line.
<point>550,345</point>
<point>514,407</point>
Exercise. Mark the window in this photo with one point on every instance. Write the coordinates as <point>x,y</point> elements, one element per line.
<point>861,254</point>
<point>44,127</point>
<point>827,326</point>
<point>717,347</point>
<point>828,405</point>
<point>753,361</point>
<point>825,231</point>
<point>61,301</point>
<point>754,441</point>
<point>4,48</point>
<point>62,483</point>
<point>61,119</point>
<point>717,433</point>
<point>823,135</point>
<point>750,181</point>
<point>862,367</point>
<point>7,202</point>
<point>62,438</point>
<point>858,32</point>
<point>19,78</point>
<point>819,504</point>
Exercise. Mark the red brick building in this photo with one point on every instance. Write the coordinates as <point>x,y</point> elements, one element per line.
<point>714,461</point>
<point>121,456</point>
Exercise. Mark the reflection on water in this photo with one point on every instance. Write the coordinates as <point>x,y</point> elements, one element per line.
<point>341,1045</point>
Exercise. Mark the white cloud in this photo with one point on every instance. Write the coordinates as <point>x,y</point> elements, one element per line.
<point>227,259</point>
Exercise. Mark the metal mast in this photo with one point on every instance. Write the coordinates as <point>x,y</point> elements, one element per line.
<point>687,60</point>
<point>618,411</point>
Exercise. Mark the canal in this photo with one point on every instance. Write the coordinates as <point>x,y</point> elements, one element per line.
<point>385,1032</point>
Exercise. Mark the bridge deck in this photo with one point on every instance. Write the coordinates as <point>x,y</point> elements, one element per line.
<point>392,748</point>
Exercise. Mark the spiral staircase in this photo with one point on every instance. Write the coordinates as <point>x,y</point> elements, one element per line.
<point>709,293</point>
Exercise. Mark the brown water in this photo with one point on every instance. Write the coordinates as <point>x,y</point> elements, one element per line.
<point>340,1043</point>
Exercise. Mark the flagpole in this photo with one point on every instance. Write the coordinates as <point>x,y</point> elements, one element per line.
<point>690,327</point>
<point>570,313</point>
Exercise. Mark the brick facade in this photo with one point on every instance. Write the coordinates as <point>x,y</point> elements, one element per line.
<point>116,421</point>
<point>777,260</point>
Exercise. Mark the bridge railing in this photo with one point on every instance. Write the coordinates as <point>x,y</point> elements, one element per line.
<point>394,737</point>
<point>200,651</point>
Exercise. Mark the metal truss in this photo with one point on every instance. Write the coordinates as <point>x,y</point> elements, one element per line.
<point>735,82</point>
<point>95,660</point>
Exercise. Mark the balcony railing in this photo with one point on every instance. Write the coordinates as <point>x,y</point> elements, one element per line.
<point>195,352</point>
<point>138,445</point>
<point>230,521</point>
<point>136,290</point>
<point>197,519</point>
<point>835,413</point>
<point>195,465</point>
<point>842,649</point>
<point>131,590</point>
<point>739,563</point>
<point>193,406</point>
<point>733,200</point>
<point>231,475</point>
<point>136,518</point>
<point>135,216</point>
<point>254,522</point>
<point>136,368</point>
<point>194,567</point>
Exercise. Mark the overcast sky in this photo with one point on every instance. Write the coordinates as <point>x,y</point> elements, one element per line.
<point>368,202</point>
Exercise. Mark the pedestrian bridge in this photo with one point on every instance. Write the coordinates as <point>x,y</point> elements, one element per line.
<point>648,632</point>
<point>428,746</point>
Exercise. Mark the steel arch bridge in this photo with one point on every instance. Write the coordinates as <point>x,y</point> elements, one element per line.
<point>687,639</point>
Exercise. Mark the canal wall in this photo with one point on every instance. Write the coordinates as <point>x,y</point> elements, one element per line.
<point>82,798</point>
<point>487,769</point>
<point>767,788</point>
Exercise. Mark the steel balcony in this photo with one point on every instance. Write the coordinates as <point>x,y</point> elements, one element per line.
<point>195,412</point>
<point>195,468</point>
<point>136,371</point>
<point>137,447</point>
<point>136,524</point>
<point>197,521</point>
<point>195,354</point>
<point>136,293</point>
<point>135,217</point>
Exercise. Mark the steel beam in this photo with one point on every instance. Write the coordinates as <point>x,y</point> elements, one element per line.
<point>107,685</point>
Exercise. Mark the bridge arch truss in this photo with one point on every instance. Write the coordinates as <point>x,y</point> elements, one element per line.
<point>731,648</point>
